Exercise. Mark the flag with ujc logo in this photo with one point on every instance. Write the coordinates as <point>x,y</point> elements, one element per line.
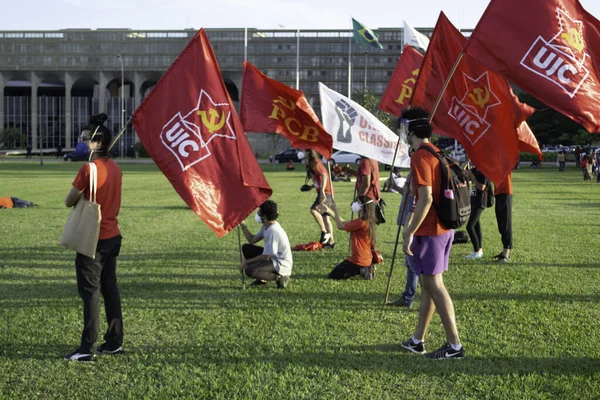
<point>364,35</point>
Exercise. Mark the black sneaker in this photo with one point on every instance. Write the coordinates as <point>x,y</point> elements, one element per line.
<point>418,348</point>
<point>283,281</point>
<point>446,352</point>
<point>498,256</point>
<point>325,236</point>
<point>80,357</point>
<point>368,273</point>
<point>258,282</point>
<point>104,349</point>
<point>329,246</point>
<point>503,259</point>
<point>400,303</point>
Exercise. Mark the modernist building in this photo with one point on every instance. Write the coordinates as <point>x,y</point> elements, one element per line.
<point>51,81</point>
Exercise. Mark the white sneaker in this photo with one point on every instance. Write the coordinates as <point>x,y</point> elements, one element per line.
<point>475,255</point>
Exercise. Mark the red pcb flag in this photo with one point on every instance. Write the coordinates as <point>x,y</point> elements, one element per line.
<point>270,106</point>
<point>191,130</point>
<point>478,108</point>
<point>549,48</point>
<point>400,88</point>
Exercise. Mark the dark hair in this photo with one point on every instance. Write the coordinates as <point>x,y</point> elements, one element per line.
<point>369,216</point>
<point>99,132</point>
<point>268,209</point>
<point>312,158</point>
<point>420,125</point>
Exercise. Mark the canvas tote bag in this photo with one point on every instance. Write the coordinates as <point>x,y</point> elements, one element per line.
<point>83,225</point>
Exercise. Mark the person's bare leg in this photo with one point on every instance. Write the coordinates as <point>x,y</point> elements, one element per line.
<point>426,310</point>
<point>319,218</point>
<point>434,285</point>
<point>328,228</point>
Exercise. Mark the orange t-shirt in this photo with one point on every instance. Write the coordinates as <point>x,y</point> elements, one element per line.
<point>108,194</point>
<point>426,172</point>
<point>6,202</point>
<point>361,242</point>
<point>318,171</point>
<point>505,187</point>
<point>364,170</point>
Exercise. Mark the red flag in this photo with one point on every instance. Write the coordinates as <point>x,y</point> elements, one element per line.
<point>478,108</point>
<point>270,106</point>
<point>549,48</point>
<point>400,88</point>
<point>190,128</point>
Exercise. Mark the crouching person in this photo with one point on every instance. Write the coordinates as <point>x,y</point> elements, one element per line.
<point>274,261</point>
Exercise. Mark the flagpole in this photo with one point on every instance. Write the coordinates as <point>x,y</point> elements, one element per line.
<point>350,62</point>
<point>439,98</point>
<point>240,248</point>
<point>119,135</point>
<point>366,69</point>
<point>245,43</point>
<point>387,289</point>
<point>298,59</point>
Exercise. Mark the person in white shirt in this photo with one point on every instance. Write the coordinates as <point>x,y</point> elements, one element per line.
<point>273,262</point>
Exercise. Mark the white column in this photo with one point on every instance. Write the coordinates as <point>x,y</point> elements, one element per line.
<point>68,110</point>
<point>138,81</point>
<point>2,85</point>
<point>35,82</point>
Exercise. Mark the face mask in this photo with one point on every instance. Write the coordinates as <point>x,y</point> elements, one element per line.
<point>356,206</point>
<point>257,218</point>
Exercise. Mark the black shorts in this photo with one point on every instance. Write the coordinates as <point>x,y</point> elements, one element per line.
<point>328,202</point>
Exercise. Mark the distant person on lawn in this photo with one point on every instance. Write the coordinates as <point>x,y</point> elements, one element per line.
<point>99,275</point>
<point>316,171</point>
<point>274,261</point>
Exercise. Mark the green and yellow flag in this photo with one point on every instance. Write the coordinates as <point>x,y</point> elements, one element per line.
<point>364,35</point>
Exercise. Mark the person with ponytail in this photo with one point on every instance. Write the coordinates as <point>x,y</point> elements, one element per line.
<point>362,236</point>
<point>98,275</point>
<point>316,171</point>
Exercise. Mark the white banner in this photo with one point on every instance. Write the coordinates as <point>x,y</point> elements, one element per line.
<point>356,130</point>
<point>415,38</point>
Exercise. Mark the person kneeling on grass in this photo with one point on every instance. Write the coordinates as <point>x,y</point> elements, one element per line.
<point>362,236</point>
<point>274,261</point>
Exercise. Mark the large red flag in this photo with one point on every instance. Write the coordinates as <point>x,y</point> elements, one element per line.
<point>271,106</point>
<point>478,108</point>
<point>399,90</point>
<point>549,48</point>
<point>191,130</point>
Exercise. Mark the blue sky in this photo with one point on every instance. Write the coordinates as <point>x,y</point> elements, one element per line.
<point>264,14</point>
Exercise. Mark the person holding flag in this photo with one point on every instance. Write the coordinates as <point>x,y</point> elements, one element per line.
<point>274,261</point>
<point>317,172</point>
<point>427,240</point>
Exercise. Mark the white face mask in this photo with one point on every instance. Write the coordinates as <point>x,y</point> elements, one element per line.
<point>300,155</point>
<point>356,206</point>
<point>257,218</point>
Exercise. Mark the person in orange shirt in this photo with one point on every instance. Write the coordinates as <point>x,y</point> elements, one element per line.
<point>427,241</point>
<point>367,178</point>
<point>504,197</point>
<point>317,172</point>
<point>362,236</point>
<point>99,275</point>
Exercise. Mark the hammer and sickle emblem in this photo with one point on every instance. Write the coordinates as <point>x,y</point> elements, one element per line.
<point>574,39</point>
<point>212,124</point>
<point>480,97</point>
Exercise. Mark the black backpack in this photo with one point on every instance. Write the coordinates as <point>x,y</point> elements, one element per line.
<point>454,206</point>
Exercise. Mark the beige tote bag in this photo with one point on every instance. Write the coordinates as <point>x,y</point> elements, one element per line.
<point>83,226</point>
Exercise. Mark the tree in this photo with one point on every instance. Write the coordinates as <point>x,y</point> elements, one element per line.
<point>11,138</point>
<point>370,101</point>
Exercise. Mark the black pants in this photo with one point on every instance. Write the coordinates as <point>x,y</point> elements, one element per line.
<point>262,270</point>
<point>95,277</point>
<point>474,226</point>
<point>345,270</point>
<point>504,218</point>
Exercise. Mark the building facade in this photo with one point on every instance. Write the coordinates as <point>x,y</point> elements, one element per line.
<point>52,81</point>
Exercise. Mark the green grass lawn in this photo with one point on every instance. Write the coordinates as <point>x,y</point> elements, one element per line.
<point>530,328</point>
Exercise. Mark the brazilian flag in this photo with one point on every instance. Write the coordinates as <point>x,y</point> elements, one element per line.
<point>364,35</point>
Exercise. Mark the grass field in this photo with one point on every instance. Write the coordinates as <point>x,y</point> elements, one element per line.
<point>530,328</point>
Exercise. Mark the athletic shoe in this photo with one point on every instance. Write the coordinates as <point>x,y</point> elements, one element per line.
<point>503,259</point>
<point>446,352</point>
<point>418,348</point>
<point>258,282</point>
<point>325,236</point>
<point>475,255</point>
<point>329,246</point>
<point>104,349</point>
<point>80,357</point>
<point>283,281</point>
<point>400,303</point>
<point>498,256</point>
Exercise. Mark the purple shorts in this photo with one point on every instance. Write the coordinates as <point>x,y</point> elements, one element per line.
<point>431,253</point>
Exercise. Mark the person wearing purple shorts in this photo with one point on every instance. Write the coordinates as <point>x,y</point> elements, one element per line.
<point>427,240</point>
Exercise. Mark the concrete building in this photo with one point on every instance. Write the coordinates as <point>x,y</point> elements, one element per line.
<point>52,81</point>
